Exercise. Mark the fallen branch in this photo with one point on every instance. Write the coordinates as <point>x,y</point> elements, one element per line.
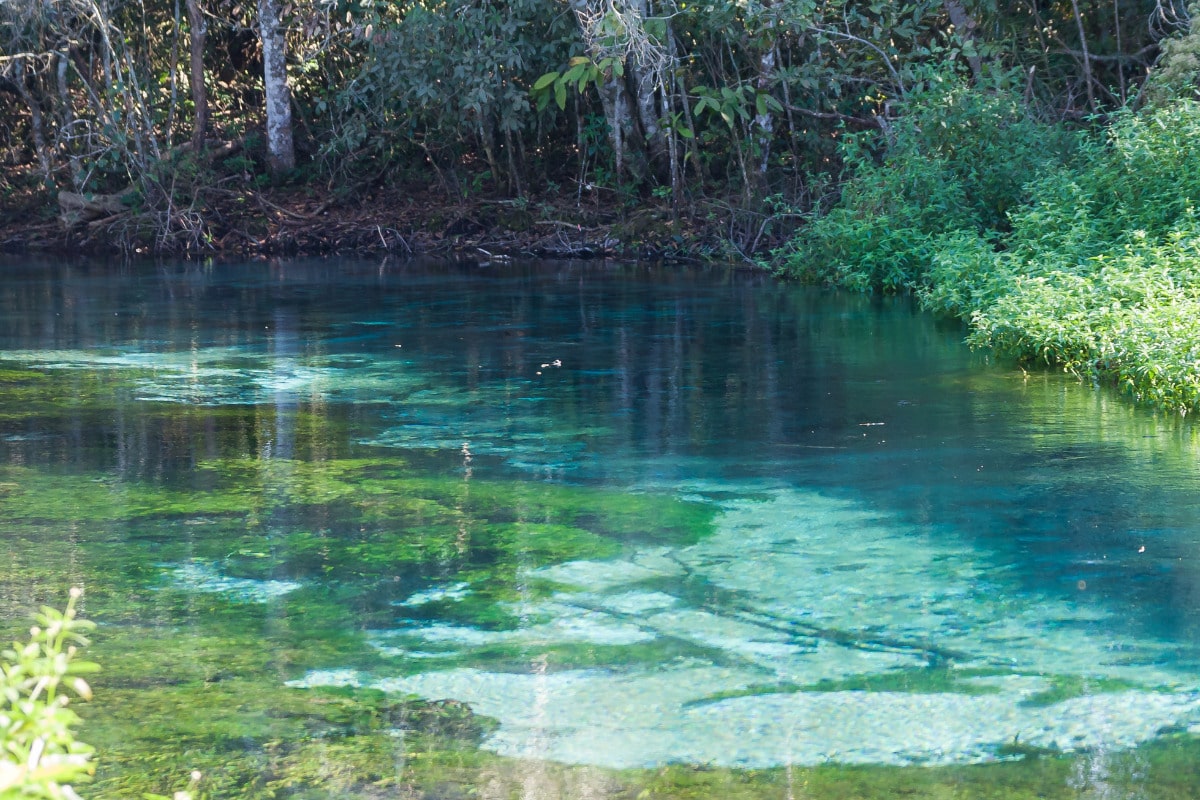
<point>77,209</point>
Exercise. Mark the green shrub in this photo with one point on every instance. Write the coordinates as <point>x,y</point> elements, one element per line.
<point>959,159</point>
<point>1130,317</point>
<point>39,755</point>
<point>1081,251</point>
<point>1101,272</point>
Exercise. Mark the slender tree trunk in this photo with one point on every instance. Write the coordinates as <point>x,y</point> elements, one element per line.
<point>66,118</point>
<point>1120,50</point>
<point>613,101</point>
<point>173,105</point>
<point>281,149</point>
<point>1087,57</point>
<point>765,122</point>
<point>36,120</point>
<point>681,88</point>
<point>673,156</point>
<point>198,28</point>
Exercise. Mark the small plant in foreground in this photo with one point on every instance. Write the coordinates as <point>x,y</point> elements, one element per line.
<point>39,754</point>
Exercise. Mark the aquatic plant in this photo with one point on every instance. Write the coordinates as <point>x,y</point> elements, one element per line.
<point>39,754</point>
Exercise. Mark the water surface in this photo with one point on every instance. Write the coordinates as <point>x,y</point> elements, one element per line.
<point>634,516</point>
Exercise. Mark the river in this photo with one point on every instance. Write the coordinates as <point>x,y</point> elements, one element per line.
<point>631,517</point>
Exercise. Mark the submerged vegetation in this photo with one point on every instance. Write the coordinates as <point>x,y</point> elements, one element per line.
<point>273,572</point>
<point>234,730</point>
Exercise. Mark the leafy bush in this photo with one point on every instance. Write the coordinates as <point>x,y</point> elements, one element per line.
<point>1101,271</point>
<point>448,84</point>
<point>958,160</point>
<point>1081,251</point>
<point>39,755</point>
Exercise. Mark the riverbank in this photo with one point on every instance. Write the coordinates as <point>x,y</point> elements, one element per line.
<point>1074,250</point>
<point>402,220</point>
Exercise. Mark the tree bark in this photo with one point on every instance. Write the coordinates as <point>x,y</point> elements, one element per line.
<point>281,149</point>
<point>645,86</point>
<point>964,26</point>
<point>1087,59</point>
<point>198,34</point>
<point>35,119</point>
<point>765,122</point>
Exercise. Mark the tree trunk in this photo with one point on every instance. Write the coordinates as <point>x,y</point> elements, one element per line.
<point>964,26</point>
<point>613,102</point>
<point>765,122</point>
<point>198,33</point>
<point>645,86</point>
<point>35,119</point>
<point>67,114</point>
<point>1087,57</point>
<point>281,150</point>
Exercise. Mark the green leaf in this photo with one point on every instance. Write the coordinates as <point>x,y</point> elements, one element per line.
<point>544,81</point>
<point>560,95</point>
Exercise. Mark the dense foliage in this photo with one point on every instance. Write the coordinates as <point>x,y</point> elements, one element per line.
<point>960,160</point>
<point>607,103</point>
<point>1076,248</point>
<point>1101,272</point>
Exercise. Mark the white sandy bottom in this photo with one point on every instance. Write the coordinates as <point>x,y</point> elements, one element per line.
<point>795,591</point>
<point>625,721</point>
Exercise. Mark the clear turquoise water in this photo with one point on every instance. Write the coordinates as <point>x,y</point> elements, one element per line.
<point>635,515</point>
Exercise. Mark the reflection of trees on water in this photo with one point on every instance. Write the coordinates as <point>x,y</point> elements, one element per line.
<point>665,373</point>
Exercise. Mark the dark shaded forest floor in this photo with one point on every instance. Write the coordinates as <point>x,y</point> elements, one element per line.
<point>305,219</point>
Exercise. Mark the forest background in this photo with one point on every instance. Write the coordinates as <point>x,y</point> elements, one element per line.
<point>1031,167</point>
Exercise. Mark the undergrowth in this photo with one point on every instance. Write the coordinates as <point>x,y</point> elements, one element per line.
<point>1077,250</point>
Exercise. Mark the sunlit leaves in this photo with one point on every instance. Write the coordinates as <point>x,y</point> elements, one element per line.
<point>39,755</point>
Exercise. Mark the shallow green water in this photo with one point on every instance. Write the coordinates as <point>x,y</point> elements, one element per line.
<point>630,517</point>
